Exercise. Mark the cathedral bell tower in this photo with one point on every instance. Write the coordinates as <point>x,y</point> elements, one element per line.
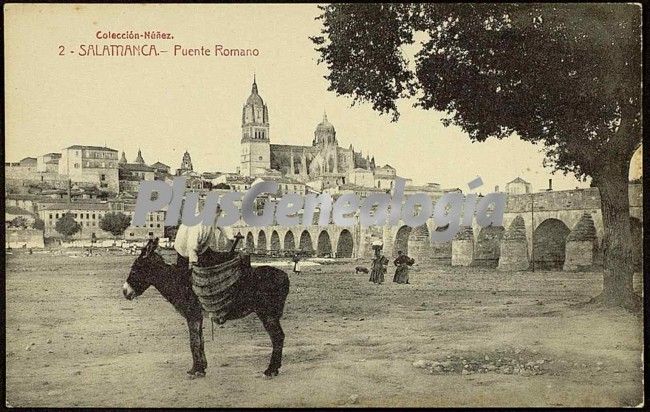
<point>255,143</point>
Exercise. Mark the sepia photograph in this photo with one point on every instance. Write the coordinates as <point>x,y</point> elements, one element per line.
<point>323,205</point>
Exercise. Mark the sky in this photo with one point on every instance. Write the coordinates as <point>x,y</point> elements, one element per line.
<point>168,104</point>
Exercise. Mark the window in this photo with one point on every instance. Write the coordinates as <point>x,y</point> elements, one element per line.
<point>131,234</point>
<point>260,157</point>
<point>103,177</point>
<point>87,215</point>
<point>76,165</point>
<point>157,224</point>
<point>50,216</point>
<point>57,215</point>
<point>93,215</point>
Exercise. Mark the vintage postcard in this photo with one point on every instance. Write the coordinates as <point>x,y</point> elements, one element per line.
<point>323,205</point>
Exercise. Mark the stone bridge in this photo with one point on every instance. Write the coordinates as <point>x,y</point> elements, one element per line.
<point>548,220</point>
<point>319,241</point>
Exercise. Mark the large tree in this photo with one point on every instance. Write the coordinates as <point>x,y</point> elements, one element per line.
<point>565,76</point>
<point>38,224</point>
<point>115,223</point>
<point>67,226</point>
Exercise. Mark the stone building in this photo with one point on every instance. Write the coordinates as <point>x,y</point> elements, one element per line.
<point>91,165</point>
<point>48,163</point>
<point>19,175</point>
<point>323,162</point>
<point>89,214</point>
<point>518,187</point>
<point>131,174</point>
<point>160,167</point>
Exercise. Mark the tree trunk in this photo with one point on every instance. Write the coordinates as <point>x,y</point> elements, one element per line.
<point>612,182</point>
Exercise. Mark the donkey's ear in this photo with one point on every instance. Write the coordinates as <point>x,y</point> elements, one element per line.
<point>148,248</point>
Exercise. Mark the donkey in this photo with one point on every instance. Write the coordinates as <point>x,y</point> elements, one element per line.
<point>262,291</point>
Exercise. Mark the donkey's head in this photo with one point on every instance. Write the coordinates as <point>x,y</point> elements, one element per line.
<point>143,271</point>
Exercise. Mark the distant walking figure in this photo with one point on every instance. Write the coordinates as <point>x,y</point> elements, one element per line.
<point>296,263</point>
<point>378,265</point>
<point>402,272</point>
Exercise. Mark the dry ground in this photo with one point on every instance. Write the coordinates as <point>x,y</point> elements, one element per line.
<point>72,339</point>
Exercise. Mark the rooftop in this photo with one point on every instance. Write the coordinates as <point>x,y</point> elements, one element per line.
<point>135,167</point>
<point>74,206</point>
<point>518,180</point>
<point>159,165</point>
<point>78,146</point>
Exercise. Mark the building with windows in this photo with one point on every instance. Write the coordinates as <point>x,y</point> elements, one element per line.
<point>89,214</point>
<point>91,165</point>
<point>518,187</point>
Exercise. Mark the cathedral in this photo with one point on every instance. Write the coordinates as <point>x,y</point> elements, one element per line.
<point>323,160</point>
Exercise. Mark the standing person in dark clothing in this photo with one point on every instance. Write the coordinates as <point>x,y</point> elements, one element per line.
<point>296,263</point>
<point>378,265</point>
<point>402,272</point>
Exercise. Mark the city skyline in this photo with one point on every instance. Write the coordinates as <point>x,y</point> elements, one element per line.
<point>166,106</point>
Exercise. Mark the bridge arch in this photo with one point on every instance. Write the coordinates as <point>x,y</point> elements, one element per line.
<point>345,244</point>
<point>250,243</point>
<point>306,245</point>
<point>275,242</point>
<point>402,240</point>
<point>549,244</point>
<point>289,241</point>
<point>324,246</point>
<point>261,241</point>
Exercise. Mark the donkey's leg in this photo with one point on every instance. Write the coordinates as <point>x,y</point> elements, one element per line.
<point>203,360</point>
<point>272,326</point>
<point>196,346</point>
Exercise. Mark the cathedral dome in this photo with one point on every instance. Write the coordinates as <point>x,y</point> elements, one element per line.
<point>325,126</point>
<point>324,133</point>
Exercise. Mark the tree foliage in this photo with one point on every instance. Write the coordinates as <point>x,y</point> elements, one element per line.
<point>38,224</point>
<point>115,223</point>
<point>18,222</point>
<point>67,225</point>
<point>567,76</point>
